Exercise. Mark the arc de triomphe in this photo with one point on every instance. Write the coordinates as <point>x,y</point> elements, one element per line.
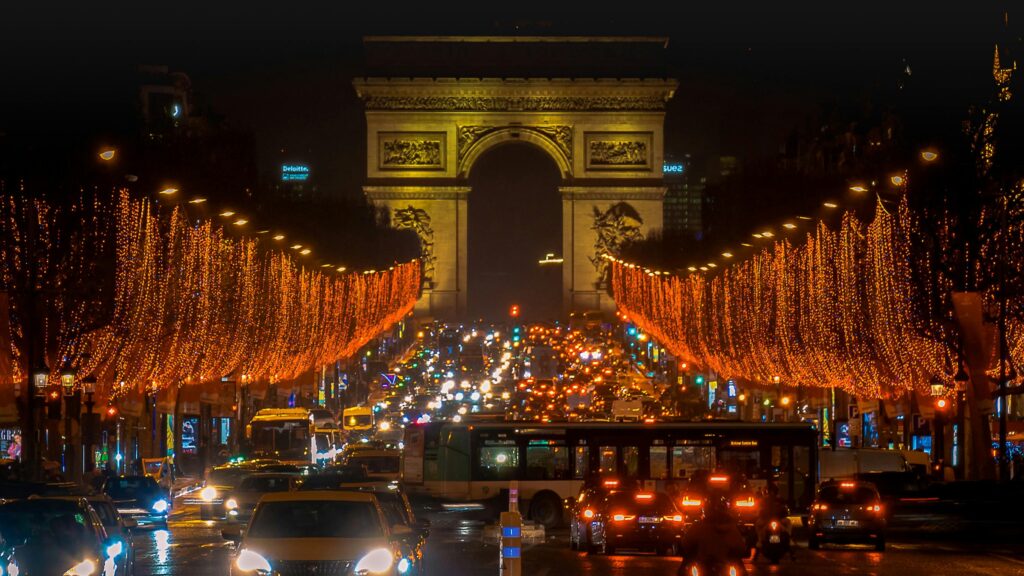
<point>604,134</point>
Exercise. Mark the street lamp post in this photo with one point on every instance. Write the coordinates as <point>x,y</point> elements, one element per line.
<point>89,428</point>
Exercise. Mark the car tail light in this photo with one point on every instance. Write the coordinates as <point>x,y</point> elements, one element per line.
<point>588,513</point>
<point>819,507</point>
<point>644,496</point>
<point>611,483</point>
<point>747,502</point>
<point>675,518</point>
<point>623,517</point>
<point>691,502</point>
<point>847,484</point>
<point>774,525</point>
<point>876,508</point>
<point>718,479</point>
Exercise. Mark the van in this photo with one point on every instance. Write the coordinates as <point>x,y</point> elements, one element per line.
<point>848,462</point>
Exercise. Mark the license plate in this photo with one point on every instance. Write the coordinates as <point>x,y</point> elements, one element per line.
<point>850,523</point>
<point>649,519</point>
<point>774,539</point>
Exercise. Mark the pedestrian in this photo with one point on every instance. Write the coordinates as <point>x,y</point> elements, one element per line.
<point>14,450</point>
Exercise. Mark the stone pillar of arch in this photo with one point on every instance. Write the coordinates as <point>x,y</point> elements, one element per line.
<point>424,136</point>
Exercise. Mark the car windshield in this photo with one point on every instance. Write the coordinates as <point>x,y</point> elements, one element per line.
<point>846,496</point>
<point>131,486</point>
<point>315,519</point>
<point>106,512</point>
<point>376,464</point>
<point>264,484</point>
<point>58,524</point>
<point>227,476</point>
<point>393,506</point>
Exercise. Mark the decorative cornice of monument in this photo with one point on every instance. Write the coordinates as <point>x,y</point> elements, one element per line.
<point>560,136</point>
<point>416,192</point>
<point>515,94</point>
<point>612,192</point>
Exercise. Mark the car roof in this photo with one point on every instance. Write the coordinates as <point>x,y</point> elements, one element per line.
<point>319,495</point>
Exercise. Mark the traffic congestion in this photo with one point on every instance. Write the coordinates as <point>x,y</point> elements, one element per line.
<point>573,427</point>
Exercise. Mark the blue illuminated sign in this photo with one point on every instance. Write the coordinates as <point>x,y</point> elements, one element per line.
<point>510,552</point>
<point>511,532</point>
<point>294,172</point>
<point>672,168</point>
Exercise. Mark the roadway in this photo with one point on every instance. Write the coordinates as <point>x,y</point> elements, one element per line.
<point>455,548</point>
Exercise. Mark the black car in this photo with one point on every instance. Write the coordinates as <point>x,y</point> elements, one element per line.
<point>118,529</point>
<point>56,536</point>
<point>638,520</point>
<point>139,498</point>
<point>334,478</point>
<point>847,511</point>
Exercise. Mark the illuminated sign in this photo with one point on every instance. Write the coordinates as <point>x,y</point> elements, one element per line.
<point>294,172</point>
<point>741,443</point>
<point>672,168</point>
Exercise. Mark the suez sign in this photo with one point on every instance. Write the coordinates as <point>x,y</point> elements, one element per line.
<point>672,168</point>
<point>293,172</point>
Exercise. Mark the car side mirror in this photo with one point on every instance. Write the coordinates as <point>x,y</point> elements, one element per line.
<point>232,534</point>
<point>130,523</point>
<point>400,530</point>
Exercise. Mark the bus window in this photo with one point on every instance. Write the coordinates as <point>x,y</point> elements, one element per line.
<point>607,464</point>
<point>499,460</point>
<point>659,462</point>
<point>631,461</point>
<point>582,469</point>
<point>546,460</point>
<point>747,462</point>
<point>688,459</point>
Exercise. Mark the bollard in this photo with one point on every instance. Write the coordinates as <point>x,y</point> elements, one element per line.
<point>512,535</point>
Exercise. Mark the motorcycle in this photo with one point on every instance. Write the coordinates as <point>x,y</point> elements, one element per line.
<point>775,542</point>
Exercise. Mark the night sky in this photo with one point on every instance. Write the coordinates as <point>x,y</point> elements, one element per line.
<point>749,72</point>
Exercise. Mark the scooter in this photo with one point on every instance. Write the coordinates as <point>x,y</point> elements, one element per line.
<point>775,541</point>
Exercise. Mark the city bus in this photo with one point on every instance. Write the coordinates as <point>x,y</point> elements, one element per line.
<point>285,434</point>
<point>357,420</point>
<point>471,463</point>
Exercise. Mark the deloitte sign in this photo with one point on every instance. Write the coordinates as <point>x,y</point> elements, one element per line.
<point>294,172</point>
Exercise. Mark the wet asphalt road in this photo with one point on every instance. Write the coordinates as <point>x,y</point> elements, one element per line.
<point>194,547</point>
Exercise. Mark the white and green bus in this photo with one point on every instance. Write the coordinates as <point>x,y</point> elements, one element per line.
<point>473,463</point>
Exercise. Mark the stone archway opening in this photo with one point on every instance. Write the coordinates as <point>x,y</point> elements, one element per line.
<point>515,219</point>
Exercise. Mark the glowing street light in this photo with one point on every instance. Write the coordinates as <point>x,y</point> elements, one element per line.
<point>108,154</point>
<point>241,222</point>
<point>549,258</point>
<point>278,236</point>
<point>296,246</point>
<point>168,191</point>
<point>830,205</point>
<point>727,254</point>
<point>227,213</point>
<point>858,188</point>
<point>305,251</point>
<point>897,180</point>
<point>692,268</point>
<point>789,226</point>
<point>197,201</point>
<point>342,268</point>
<point>929,155</point>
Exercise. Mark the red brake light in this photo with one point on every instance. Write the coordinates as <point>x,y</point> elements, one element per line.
<point>588,513</point>
<point>691,502</point>
<point>775,525</point>
<point>847,484</point>
<point>675,518</point>
<point>876,508</point>
<point>718,479</point>
<point>748,502</point>
<point>644,496</point>
<point>622,517</point>
<point>611,483</point>
<point>820,507</point>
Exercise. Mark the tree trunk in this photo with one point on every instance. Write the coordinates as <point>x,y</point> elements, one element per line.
<point>977,346</point>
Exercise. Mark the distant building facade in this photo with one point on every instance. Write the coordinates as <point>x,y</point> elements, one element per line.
<point>684,197</point>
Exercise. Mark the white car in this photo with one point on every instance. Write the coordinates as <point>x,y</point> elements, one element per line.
<point>327,533</point>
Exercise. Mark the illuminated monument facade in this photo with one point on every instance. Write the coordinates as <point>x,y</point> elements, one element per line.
<point>596,106</point>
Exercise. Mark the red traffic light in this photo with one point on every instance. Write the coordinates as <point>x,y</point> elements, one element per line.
<point>111,411</point>
<point>514,311</point>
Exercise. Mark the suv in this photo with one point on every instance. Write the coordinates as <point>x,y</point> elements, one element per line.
<point>847,511</point>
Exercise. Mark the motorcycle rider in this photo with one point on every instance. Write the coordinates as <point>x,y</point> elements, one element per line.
<point>714,541</point>
<point>773,507</point>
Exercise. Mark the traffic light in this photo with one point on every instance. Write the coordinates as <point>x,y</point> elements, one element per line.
<point>514,311</point>
<point>698,380</point>
<point>111,411</point>
<point>941,404</point>
<point>53,405</point>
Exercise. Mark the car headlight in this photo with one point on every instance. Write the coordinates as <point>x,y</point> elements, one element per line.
<point>231,504</point>
<point>160,506</point>
<point>249,561</point>
<point>208,493</point>
<point>83,568</point>
<point>13,570</point>
<point>114,550</point>
<point>377,561</point>
<point>404,565</point>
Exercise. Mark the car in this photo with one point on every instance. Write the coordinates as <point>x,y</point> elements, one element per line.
<point>221,480</point>
<point>139,498</point>
<point>117,527</point>
<point>57,536</point>
<point>638,520</point>
<point>847,511</point>
<point>582,509</point>
<point>240,502</point>
<point>394,502</point>
<point>324,532</point>
<point>379,464</point>
<point>334,477</point>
